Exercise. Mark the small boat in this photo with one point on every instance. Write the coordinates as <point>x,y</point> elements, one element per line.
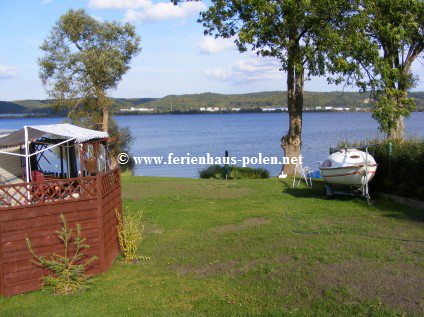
<point>350,167</point>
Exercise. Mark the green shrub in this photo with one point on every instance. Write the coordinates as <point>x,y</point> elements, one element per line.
<point>402,173</point>
<point>213,171</point>
<point>234,172</point>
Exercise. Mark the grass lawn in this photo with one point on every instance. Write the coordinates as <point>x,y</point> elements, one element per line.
<point>254,248</point>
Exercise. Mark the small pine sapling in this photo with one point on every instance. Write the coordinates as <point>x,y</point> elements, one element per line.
<point>68,272</point>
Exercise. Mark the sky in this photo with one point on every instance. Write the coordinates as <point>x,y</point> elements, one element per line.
<point>176,58</point>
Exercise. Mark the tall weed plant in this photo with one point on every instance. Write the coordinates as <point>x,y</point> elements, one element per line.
<point>130,234</point>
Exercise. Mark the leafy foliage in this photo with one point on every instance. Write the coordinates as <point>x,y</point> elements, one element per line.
<point>390,107</point>
<point>84,58</point>
<point>383,38</point>
<point>402,173</point>
<point>68,271</point>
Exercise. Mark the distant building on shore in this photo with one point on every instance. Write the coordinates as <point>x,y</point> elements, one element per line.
<point>210,109</point>
<point>274,109</point>
<point>134,109</point>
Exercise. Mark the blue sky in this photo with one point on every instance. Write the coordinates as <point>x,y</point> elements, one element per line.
<point>175,59</point>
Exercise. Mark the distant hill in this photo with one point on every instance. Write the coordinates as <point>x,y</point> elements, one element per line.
<point>265,99</point>
<point>193,102</point>
<point>11,107</point>
<point>30,107</point>
<point>419,95</point>
<point>34,104</point>
<point>134,101</point>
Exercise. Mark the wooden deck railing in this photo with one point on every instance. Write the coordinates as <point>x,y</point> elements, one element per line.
<point>110,181</point>
<point>49,191</point>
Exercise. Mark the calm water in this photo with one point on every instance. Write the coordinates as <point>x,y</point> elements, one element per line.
<point>241,134</point>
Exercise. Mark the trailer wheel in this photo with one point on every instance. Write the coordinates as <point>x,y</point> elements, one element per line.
<point>328,192</point>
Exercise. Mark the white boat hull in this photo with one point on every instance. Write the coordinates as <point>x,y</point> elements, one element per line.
<point>348,175</point>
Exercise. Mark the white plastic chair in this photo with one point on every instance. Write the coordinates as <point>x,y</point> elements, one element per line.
<point>304,172</point>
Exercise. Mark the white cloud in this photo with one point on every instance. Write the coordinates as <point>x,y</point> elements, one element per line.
<point>97,18</point>
<point>163,11</point>
<point>119,4</point>
<point>7,71</point>
<point>249,70</point>
<point>210,45</point>
<point>44,2</point>
<point>219,73</point>
<point>146,11</point>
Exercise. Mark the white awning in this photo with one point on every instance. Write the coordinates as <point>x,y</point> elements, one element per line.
<point>4,132</point>
<point>62,129</point>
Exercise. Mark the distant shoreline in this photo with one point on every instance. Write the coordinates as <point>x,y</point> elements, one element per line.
<point>208,102</point>
<point>20,116</point>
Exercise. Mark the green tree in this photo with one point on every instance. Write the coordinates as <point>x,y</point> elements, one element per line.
<point>84,59</point>
<point>384,38</point>
<point>294,31</point>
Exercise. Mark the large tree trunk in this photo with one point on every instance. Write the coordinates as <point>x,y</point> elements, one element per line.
<point>397,133</point>
<point>105,103</point>
<point>106,118</point>
<point>292,141</point>
<point>105,128</point>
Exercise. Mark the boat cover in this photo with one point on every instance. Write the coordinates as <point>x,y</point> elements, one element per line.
<point>346,158</point>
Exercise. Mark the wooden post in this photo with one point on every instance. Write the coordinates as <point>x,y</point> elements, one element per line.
<point>27,167</point>
<point>1,266</point>
<point>81,158</point>
<point>107,158</point>
<point>68,164</point>
<point>120,192</point>
<point>100,222</point>
<point>61,161</point>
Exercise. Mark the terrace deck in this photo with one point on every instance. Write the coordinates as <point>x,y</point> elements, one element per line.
<point>32,210</point>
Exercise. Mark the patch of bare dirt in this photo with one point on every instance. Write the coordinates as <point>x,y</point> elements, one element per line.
<point>397,284</point>
<point>250,222</point>
<point>342,221</point>
<point>229,268</point>
<point>153,229</point>
<point>211,269</point>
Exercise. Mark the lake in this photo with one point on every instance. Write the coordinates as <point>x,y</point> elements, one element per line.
<point>242,134</point>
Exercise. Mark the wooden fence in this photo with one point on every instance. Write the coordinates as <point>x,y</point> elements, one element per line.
<point>89,201</point>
